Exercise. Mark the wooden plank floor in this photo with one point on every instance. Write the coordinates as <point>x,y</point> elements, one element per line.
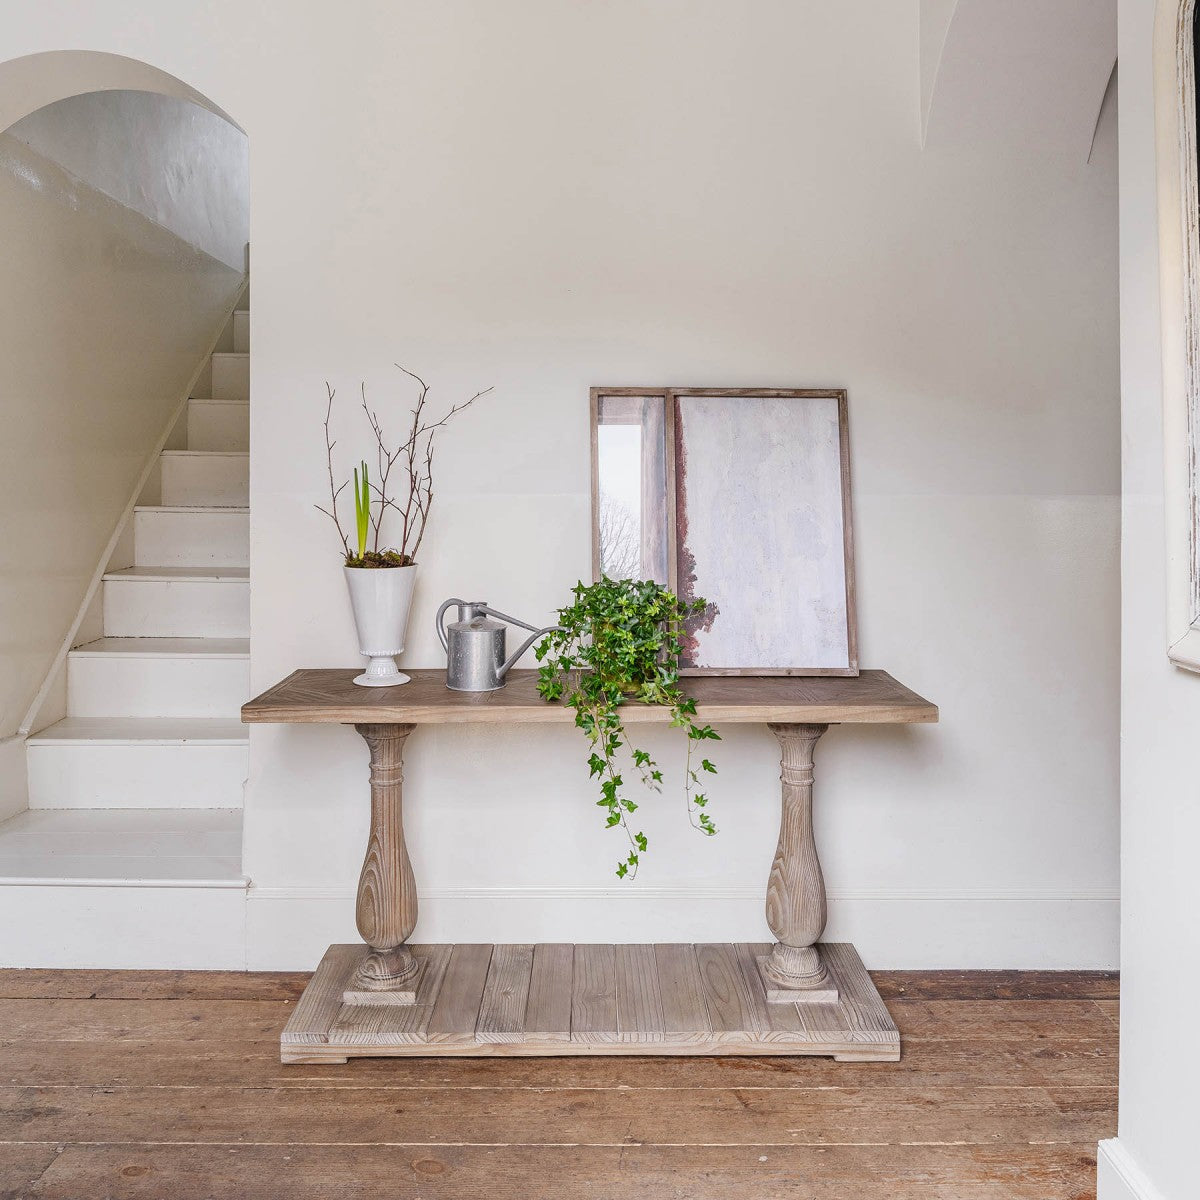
<point>168,1084</point>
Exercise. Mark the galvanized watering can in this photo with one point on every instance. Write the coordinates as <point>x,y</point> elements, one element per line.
<point>474,645</point>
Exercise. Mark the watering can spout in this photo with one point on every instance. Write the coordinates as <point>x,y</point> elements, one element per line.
<point>516,654</point>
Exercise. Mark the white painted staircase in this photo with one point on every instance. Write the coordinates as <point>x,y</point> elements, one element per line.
<point>135,794</point>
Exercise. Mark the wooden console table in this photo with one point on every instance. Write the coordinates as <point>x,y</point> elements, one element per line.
<point>387,997</point>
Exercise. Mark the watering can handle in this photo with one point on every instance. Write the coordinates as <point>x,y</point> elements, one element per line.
<point>440,624</point>
<point>491,612</point>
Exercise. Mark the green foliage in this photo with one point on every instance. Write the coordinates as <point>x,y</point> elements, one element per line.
<point>621,641</point>
<point>362,508</point>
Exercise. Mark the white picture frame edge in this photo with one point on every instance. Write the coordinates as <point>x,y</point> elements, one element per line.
<point>1179,281</point>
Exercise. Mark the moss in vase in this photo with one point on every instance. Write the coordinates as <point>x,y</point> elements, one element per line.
<point>379,558</point>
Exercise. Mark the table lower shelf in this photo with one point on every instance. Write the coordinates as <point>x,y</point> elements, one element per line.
<point>564,999</point>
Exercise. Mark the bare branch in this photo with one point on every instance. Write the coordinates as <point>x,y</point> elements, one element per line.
<point>425,503</point>
<point>381,456</point>
<point>414,455</point>
<point>418,429</point>
<point>410,450</point>
<point>334,491</point>
<point>414,375</point>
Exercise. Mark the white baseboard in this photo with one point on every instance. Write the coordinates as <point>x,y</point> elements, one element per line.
<point>1118,1177</point>
<point>290,928</point>
<point>123,928</point>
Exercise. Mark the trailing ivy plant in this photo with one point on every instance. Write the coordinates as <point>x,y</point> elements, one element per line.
<point>620,641</point>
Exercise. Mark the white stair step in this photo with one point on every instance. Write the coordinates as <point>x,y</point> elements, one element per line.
<point>136,889</point>
<point>132,847</point>
<point>144,731</point>
<point>181,536</point>
<point>158,677</point>
<point>177,602</point>
<point>218,425</point>
<point>130,762</point>
<point>231,376</point>
<point>241,331</point>
<point>210,478</point>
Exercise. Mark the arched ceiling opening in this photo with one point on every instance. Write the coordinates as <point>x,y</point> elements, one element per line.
<point>936,16</point>
<point>1027,74</point>
<point>32,82</point>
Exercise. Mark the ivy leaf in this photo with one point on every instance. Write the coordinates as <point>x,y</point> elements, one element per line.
<point>619,642</point>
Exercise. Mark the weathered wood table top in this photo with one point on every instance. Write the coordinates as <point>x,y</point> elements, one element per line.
<point>319,696</point>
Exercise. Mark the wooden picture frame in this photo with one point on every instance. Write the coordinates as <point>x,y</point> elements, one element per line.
<point>835,652</point>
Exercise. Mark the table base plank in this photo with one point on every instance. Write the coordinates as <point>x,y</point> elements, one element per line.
<point>725,979</point>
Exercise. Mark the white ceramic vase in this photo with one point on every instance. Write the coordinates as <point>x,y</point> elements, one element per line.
<point>381,598</point>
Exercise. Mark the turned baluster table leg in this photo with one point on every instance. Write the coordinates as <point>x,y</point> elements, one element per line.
<point>386,910</point>
<point>796,910</point>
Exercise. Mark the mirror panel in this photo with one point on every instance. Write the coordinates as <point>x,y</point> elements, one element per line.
<point>631,486</point>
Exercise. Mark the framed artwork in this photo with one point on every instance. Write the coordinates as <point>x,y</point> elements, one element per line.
<point>742,496</point>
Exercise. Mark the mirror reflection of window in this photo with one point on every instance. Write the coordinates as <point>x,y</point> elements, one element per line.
<point>630,505</point>
<point>619,448</point>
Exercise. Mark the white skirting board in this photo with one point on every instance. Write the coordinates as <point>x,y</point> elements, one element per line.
<point>123,927</point>
<point>290,928</point>
<point>1118,1177</point>
<point>209,928</point>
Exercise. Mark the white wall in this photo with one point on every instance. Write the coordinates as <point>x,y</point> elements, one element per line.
<point>549,196</point>
<point>169,159</point>
<point>105,317</point>
<point>1160,804</point>
<point>13,777</point>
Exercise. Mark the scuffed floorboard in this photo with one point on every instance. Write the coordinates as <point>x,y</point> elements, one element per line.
<point>157,1084</point>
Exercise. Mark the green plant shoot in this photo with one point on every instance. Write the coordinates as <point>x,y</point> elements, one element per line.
<point>362,508</point>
